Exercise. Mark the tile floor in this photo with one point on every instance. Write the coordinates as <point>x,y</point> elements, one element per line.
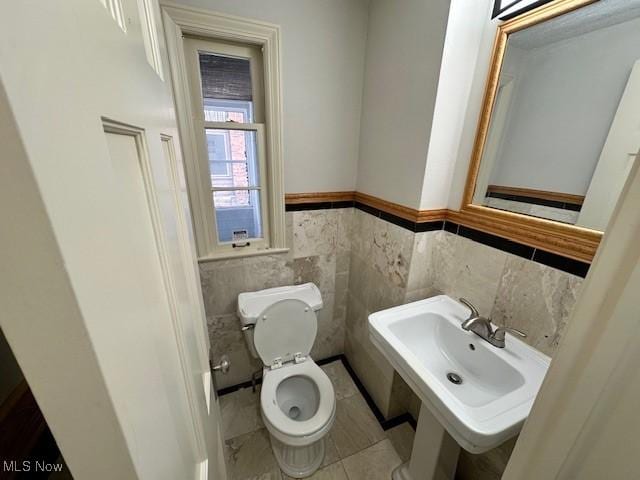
<point>356,448</point>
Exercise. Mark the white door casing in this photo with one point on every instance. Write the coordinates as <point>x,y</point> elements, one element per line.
<point>101,299</point>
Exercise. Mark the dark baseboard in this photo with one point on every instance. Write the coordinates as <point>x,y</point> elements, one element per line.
<point>384,423</point>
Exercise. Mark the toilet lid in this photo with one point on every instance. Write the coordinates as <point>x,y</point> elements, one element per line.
<point>283,329</point>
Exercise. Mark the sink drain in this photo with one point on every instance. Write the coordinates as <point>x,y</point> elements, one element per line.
<point>454,378</point>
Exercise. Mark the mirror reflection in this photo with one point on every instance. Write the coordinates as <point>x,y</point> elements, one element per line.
<point>565,123</point>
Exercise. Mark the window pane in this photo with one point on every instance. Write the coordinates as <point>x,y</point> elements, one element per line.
<point>226,88</point>
<point>238,215</point>
<point>233,158</point>
<point>228,111</point>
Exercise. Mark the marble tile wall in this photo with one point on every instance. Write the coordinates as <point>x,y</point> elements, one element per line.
<point>363,264</point>
<point>391,266</point>
<point>379,277</point>
<point>511,290</point>
<point>320,245</point>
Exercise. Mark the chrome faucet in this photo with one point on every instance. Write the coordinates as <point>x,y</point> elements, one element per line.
<point>481,326</point>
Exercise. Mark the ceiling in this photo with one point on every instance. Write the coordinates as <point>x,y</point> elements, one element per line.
<point>596,16</point>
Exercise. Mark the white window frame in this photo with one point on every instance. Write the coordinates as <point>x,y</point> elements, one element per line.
<point>229,169</point>
<point>178,22</point>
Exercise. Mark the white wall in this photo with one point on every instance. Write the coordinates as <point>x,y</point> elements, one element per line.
<point>567,96</point>
<point>323,50</point>
<point>459,62</point>
<point>482,47</point>
<point>404,51</point>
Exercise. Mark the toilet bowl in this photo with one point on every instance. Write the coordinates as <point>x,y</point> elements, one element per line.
<point>297,400</point>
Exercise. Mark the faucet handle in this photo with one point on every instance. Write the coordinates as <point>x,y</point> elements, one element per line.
<point>469,305</point>
<point>499,333</point>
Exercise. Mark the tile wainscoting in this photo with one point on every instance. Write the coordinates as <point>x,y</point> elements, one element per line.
<point>364,263</point>
<point>319,243</point>
<point>391,265</point>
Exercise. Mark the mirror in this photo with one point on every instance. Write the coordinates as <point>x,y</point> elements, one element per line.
<point>564,114</point>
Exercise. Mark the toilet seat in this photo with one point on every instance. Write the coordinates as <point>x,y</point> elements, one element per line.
<point>275,418</point>
<point>284,330</point>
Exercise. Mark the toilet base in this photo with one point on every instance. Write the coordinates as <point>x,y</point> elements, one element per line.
<point>298,462</point>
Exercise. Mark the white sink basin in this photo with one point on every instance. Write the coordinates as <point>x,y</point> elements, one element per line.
<point>424,342</point>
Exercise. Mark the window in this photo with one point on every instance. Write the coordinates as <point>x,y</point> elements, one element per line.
<point>234,175</point>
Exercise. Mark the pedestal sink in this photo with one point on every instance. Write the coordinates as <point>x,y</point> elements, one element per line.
<point>473,394</point>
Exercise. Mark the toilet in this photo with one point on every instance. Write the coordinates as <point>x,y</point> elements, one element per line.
<point>297,400</point>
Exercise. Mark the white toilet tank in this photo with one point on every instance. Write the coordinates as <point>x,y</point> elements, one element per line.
<point>252,304</point>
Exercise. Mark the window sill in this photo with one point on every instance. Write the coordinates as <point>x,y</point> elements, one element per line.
<point>229,255</point>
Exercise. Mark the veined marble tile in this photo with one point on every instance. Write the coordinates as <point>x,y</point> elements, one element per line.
<point>345,220</point>
<point>331,331</point>
<point>536,299</point>
<point>331,454</point>
<point>373,289</point>
<point>362,236</point>
<point>356,318</point>
<point>250,455</point>
<point>376,376</point>
<point>355,427</point>
<point>240,412</point>
<point>363,351</point>
<point>319,269</point>
<point>391,252</point>
<point>401,395</point>
<point>375,463</point>
<point>421,294</point>
<point>315,232</point>
<point>225,333</point>
<point>414,406</point>
<point>222,281</point>
<point>288,216</point>
<point>331,472</point>
<point>358,330</point>
<point>379,292</point>
<point>464,268</point>
<point>421,271</point>
<point>243,366</point>
<point>343,384</point>
<point>401,437</point>
<point>227,339</point>
<point>343,260</point>
<point>220,296</point>
<point>342,291</point>
<point>268,271</point>
<point>272,475</point>
<point>357,277</point>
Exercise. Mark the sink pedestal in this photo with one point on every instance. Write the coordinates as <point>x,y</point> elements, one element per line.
<point>434,455</point>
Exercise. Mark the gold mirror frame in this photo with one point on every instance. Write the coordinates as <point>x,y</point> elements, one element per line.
<point>567,240</point>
